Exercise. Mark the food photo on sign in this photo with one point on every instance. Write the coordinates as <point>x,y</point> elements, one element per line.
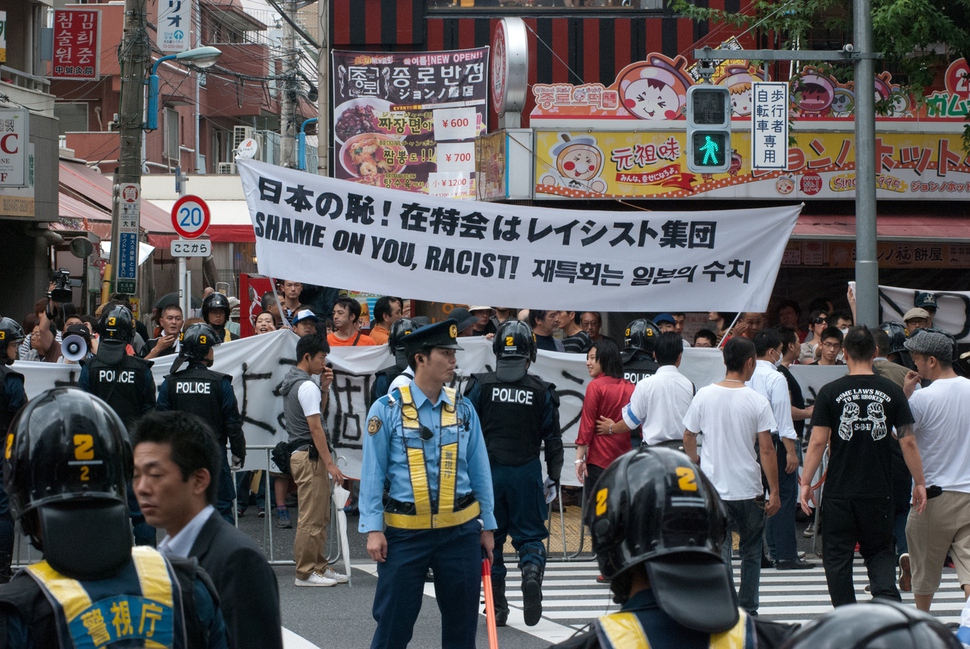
<point>409,121</point>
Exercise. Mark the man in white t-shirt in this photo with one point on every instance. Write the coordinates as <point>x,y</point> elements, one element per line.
<point>659,402</point>
<point>732,418</point>
<point>772,385</point>
<point>942,413</point>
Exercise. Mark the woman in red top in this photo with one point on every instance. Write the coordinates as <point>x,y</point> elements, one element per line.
<point>606,395</point>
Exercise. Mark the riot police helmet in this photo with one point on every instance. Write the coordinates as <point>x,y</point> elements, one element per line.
<point>641,335</point>
<point>116,323</point>
<point>897,337</point>
<point>67,464</point>
<point>654,508</point>
<point>215,301</point>
<point>197,340</point>
<point>11,333</point>
<point>514,346</point>
<point>399,330</point>
<point>880,624</point>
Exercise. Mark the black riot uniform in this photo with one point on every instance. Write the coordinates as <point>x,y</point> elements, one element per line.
<point>657,528</point>
<point>519,413</point>
<point>641,339</point>
<point>383,378</point>
<point>12,399</point>
<point>66,472</point>
<point>208,394</point>
<point>125,383</point>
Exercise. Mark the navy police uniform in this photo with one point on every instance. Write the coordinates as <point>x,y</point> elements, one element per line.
<point>638,365</point>
<point>516,419</point>
<point>425,482</point>
<point>200,391</point>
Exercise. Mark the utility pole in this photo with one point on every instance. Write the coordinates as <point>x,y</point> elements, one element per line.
<point>288,122</point>
<point>134,61</point>
<point>867,267</point>
<point>323,89</point>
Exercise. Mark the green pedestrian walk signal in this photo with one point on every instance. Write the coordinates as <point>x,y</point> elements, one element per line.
<point>708,129</point>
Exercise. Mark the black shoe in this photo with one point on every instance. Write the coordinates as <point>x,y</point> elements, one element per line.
<point>766,562</point>
<point>501,618</point>
<point>531,594</point>
<point>794,564</point>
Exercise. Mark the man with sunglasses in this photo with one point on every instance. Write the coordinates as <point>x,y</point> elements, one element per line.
<point>817,322</point>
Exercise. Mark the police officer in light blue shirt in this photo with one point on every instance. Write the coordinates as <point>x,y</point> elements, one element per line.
<point>426,496</point>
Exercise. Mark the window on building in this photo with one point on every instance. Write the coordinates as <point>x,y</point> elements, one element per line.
<point>73,116</point>
<point>529,6</point>
<point>173,134</point>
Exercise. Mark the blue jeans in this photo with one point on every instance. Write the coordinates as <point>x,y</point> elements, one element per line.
<point>520,511</point>
<point>748,518</point>
<point>455,556</point>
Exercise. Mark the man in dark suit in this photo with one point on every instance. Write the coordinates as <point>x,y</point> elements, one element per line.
<point>175,459</point>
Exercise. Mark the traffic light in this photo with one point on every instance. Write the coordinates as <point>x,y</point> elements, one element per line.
<point>708,129</point>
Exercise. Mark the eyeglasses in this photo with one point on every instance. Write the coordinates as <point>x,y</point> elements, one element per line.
<point>832,345</point>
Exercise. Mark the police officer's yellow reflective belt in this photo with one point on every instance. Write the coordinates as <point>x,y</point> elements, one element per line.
<point>149,618</point>
<point>623,631</point>
<point>423,518</point>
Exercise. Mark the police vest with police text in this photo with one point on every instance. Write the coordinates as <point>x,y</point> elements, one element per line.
<point>198,390</point>
<point>121,385</point>
<point>623,630</point>
<point>639,367</point>
<point>151,603</point>
<point>99,613</point>
<point>511,416</point>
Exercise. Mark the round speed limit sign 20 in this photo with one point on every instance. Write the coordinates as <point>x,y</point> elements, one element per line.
<point>190,217</point>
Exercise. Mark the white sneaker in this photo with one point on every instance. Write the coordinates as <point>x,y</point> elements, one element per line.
<point>315,579</point>
<point>330,573</point>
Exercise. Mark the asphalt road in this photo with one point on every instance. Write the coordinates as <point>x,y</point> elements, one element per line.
<point>340,617</point>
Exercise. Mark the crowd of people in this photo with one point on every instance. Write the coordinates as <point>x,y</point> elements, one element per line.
<point>448,477</point>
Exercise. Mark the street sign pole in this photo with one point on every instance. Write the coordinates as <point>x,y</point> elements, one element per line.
<point>190,218</point>
<point>184,300</point>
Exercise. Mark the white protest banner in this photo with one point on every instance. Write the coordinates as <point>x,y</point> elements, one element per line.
<point>259,363</point>
<point>324,231</point>
<point>952,308</point>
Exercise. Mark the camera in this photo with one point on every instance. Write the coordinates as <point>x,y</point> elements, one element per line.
<point>61,292</point>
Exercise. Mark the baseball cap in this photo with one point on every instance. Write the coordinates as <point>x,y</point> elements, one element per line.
<point>664,317</point>
<point>925,300</point>
<point>305,314</point>
<point>463,318</point>
<point>913,314</point>
<point>931,343</point>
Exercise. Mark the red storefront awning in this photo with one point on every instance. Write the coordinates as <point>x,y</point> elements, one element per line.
<point>90,195</point>
<point>891,227</point>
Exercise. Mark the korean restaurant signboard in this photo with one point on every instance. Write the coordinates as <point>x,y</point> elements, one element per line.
<point>77,44</point>
<point>409,120</point>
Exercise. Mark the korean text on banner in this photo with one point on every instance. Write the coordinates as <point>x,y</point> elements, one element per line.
<point>320,231</point>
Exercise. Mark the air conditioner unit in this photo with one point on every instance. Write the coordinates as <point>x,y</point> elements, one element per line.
<point>240,133</point>
<point>226,169</point>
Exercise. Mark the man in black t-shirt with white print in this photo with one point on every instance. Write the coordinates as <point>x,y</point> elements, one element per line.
<point>856,416</point>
